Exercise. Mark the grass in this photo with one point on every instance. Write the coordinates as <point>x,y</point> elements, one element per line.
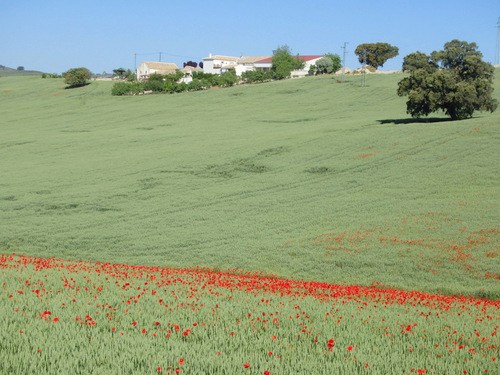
<point>9,72</point>
<point>255,178</point>
<point>351,232</point>
<point>85,318</point>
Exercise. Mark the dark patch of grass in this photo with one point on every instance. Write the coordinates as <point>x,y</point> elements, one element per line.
<point>290,121</point>
<point>319,170</point>
<point>75,131</point>
<point>62,207</point>
<point>271,151</point>
<point>288,92</point>
<point>246,165</point>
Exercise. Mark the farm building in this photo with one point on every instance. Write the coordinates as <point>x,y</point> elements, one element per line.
<point>244,63</point>
<point>219,64</point>
<point>266,64</point>
<point>148,67</point>
<point>214,64</point>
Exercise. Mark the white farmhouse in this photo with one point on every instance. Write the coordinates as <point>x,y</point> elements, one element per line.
<point>267,63</point>
<point>148,67</point>
<point>246,63</point>
<point>214,64</point>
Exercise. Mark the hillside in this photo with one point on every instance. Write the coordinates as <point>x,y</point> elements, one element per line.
<point>9,72</point>
<point>303,178</point>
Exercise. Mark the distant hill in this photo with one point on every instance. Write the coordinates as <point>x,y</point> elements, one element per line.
<point>9,72</point>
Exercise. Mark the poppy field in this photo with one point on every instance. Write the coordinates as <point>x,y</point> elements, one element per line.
<point>295,227</point>
<point>95,318</point>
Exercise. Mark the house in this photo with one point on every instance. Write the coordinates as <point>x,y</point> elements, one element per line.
<point>246,63</point>
<point>148,67</point>
<point>188,73</point>
<point>215,64</point>
<point>267,63</point>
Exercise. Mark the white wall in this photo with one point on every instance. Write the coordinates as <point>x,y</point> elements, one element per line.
<point>305,71</point>
<point>142,70</point>
<point>208,67</point>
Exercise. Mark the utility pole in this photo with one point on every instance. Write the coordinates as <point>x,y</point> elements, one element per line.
<point>160,56</point>
<point>343,60</point>
<point>135,61</point>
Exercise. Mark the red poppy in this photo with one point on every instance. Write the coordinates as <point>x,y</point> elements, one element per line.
<point>181,361</point>
<point>350,347</point>
<point>246,365</point>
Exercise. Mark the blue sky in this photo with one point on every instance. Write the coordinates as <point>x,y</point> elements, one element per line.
<point>54,36</point>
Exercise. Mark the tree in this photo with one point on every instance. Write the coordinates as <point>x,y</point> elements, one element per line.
<point>375,54</point>
<point>283,63</point>
<point>119,72</point>
<point>455,80</point>
<point>418,60</point>
<point>20,68</point>
<point>190,63</point>
<point>337,62</point>
<point>329,63</point>
<point>77,77</point>
<point>324,65</point>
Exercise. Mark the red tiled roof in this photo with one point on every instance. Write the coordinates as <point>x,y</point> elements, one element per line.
<point>304,57</point>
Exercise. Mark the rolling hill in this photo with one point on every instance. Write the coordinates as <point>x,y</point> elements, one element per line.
<point>304,178</point>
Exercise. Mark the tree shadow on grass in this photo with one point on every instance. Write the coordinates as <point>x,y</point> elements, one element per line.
<point>77,85</point>
<point>411,120</point>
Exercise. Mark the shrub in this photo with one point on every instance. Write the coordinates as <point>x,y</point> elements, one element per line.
<point>253,76</point>
<point>154,85</point>
<point>77,77</point>
<point>195,85</point>
<point>120,88</point>
<point>127,88</point>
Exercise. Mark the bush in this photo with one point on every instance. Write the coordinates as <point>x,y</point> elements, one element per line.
<point>77,77</point>
<point>127,88</point>
<point>120,88</point>
<point>195,85</point>
<point>228,79</point>
<point>254,76</point>
<point>154,85</point>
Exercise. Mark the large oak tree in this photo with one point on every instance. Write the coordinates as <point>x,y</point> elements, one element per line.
<point>455,80</point>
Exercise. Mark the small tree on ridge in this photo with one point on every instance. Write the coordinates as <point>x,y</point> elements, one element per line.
<point>375,54</point>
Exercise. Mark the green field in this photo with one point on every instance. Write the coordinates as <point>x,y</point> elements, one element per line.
<point>309,178</point>
<point>9,72</point>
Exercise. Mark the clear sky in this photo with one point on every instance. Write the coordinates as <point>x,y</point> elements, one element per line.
<point>56,35</point>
